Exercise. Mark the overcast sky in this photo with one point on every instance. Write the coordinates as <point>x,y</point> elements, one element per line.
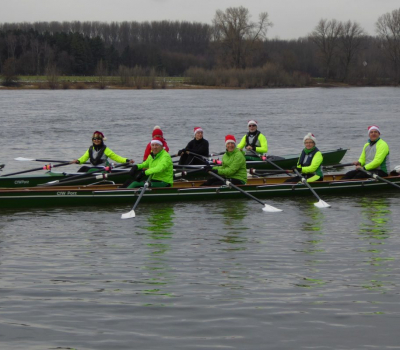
<point>291,18</point>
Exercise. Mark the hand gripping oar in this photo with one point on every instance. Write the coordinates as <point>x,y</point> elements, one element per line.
<point>132,214</point>
<point>40,160</point>
<point>266,207</point>
<point>378,177</point>
<point>46,167</point>
<point>320,203</point>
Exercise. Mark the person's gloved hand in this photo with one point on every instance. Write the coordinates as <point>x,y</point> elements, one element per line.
<point>133,170</point>
<point>140,176</point>
<point>207,168</point>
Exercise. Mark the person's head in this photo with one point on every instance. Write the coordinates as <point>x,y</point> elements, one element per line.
<point>198,133</point>
<point>157,132</point>
<point>373,132</point>
<point>98,138</point>
<point>156,146</point>
<point>230,143</point>
<point>309,141</point>
<point>252,125</point>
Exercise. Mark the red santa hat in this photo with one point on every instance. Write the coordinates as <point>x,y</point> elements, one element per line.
<point>158,141</point>
<point>157,131</point>
<point>230,138</point>
<point>197,129</point>
<point>373,127</point>
<point>310,136</point>
<point>99,133</point>
<point>251,122</point>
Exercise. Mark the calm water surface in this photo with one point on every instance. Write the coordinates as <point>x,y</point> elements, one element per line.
<point>218,275</point>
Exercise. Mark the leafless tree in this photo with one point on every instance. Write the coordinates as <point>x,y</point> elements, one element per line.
<point>237,33</point>
<point>350,45</point>
<point>388,29</point>
<point>101,72</point>
<point>326,36</point>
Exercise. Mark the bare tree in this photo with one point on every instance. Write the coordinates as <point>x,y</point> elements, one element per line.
<point>101,72</point>
<point>326,36</point>
<point>237,34</point>
<point>388,29</point>
<point>350,45</point>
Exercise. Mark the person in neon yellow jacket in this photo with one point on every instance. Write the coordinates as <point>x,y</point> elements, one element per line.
<point>310,161</point>
<point>254,144</point>
<point>98,154</point>
<point>158,163</point>
<point>374,157</point>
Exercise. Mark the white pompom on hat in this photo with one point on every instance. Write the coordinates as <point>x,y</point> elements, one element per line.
<point>251,122</point>
<point>310,136</point>
<point>230,138</point>
<point>197,129</point>
<point>373,127</point>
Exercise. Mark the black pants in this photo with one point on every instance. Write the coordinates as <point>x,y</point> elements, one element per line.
<point>358,174</point>
<point>217,182</point>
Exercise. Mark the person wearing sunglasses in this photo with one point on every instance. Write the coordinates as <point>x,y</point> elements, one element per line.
<point>98,154</point>
<point>374,157</point>
<point>310,162</point>
<point>198,146</point>
<point>253,144</point>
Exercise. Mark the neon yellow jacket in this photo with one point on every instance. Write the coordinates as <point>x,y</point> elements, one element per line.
<point>233,166</point>
<point>109,153</point>
<point>263,148</point>
<point>160,166</point>
<point>314,167</point>
<point>375,156</point>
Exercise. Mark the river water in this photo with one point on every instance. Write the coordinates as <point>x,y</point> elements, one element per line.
<point>200,275</point>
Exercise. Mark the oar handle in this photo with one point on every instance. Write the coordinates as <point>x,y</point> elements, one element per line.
<point>36,169</point>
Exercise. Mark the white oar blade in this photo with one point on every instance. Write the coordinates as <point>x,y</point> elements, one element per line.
<point>129,215</point>
<point>322,204</point>
<point>271,209</point>
<point>22,159</point>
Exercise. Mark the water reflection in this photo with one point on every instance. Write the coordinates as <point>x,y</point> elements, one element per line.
<point>312,225</point>
<point>233,215</point>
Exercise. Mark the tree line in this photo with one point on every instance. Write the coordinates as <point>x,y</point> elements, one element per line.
<point>333,50</point>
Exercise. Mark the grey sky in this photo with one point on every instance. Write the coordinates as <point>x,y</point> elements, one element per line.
<point>291,18</point>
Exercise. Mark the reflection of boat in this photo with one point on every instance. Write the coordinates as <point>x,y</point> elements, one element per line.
<point>181,191</point>
<point>119,176</point>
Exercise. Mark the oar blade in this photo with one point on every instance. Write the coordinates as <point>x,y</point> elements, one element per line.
<point>22,159</point>
<point>129,215</point>
<point>270,209</point>
<point>322,204</point>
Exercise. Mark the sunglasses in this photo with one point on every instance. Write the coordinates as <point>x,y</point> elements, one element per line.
<point>96,139</point>
<point>251,125</point>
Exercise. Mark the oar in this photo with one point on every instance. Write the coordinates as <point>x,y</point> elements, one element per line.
<point>1,166</point>
<point>320,203</point>
<point>266,207</point>
<point>46,167</point>
<point>375,176</point>
<point>132,214</point>
<point>22,159</point>
<point>272,163</point>
<point>75,178</point>
<point>337,166</point>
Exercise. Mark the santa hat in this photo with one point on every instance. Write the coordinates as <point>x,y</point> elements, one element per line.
<point>197,129</point>
<point>251,122</point>
<point>157,131</point>
<point>310,136</point>
<point>156,141</point>
<point>99,133</point>
<point>373,127</point>
<point>230,138</point>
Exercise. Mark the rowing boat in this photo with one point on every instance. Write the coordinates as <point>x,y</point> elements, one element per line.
<point>264,187</point>
<point>31,180</point>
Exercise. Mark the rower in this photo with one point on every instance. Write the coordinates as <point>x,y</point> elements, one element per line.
<point>253,141</point>
<point>309,163</point>
<point>157,134</point>
<point>158,164</point>
<point>374,157</point>
<point>195,147</point>
<point>98,154</point>
<point>233,166</point>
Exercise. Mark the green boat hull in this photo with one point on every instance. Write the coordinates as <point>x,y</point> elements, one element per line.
<point>105,195</point>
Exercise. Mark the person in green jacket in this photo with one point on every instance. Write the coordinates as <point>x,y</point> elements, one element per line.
<point>158,163</point>
<point>254,144</point>
<point>310,161</point>
<point>374,157</point>
<point>233,165</point>
<point>98,154</point>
